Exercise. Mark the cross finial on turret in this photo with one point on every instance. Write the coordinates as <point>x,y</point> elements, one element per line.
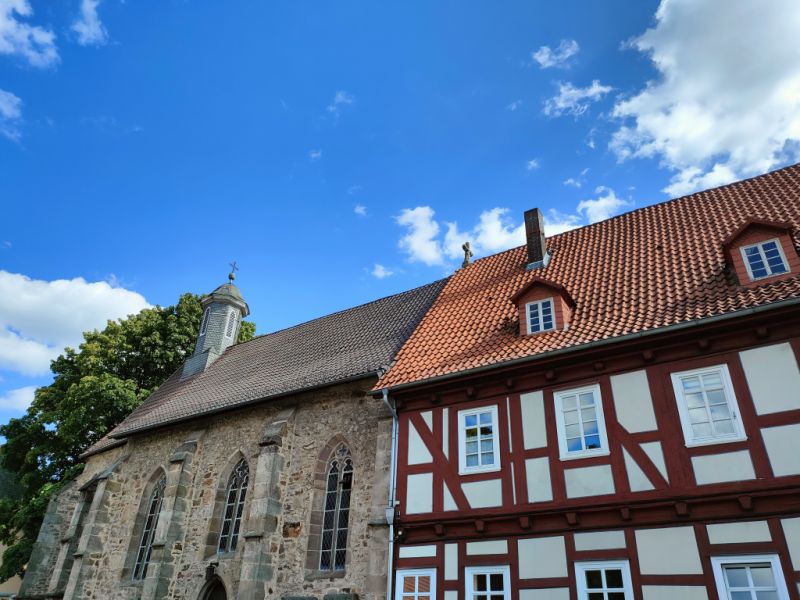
<point>467,254</point>
<point>232,274</point>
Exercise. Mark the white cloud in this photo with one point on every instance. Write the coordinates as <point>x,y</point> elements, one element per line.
<point>603,207</point>
<point>381,272</point>
<point>514,105</point>
<point>33,43</point>
<point>548,58</point>
<point>314,155</point>
<point>18,399</point>
<point>354,189</point>
<point>88,27</point>
<point>340,99</point>
<point>574,100</point>
<point>532,164</point>
<point>360,210</point>
<point>578,181</point>
<point>420,241</point>
<point>726,104</point>
<point>495,231</point>
<point>10,115</point>
<point>39,318</point>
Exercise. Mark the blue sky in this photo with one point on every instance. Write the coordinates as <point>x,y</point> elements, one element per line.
<point>341,152</point>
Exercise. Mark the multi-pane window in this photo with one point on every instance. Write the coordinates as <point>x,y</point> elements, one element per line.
<point>579,421</point>
<point>333,551</point>
<point>204,322</point>
<point>234,507</point>
<point>764,259</point>
<point>149,530</point>
<point>488,583</point>
<point>231,324</point>
<point>540,315</point>
<point>478,440</point>
<point>707,406</point>
<point>416,585</point>
<point>606,580</point>
<point>749,578</point>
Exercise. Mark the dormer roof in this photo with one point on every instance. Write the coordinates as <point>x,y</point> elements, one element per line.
<point>754,222</point>
<point>541,282</point>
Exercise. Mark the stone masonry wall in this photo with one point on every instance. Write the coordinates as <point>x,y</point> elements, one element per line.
<point>274,541</point>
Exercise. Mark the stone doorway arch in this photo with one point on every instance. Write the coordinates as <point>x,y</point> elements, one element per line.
<point>214,590</point>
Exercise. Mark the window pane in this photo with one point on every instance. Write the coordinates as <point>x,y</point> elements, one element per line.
<point>592,441</point>
<point>479,583</point>
<point>573,431</point>
<point>616,596</point>
<point>698,415</point>
<point>741,596</point>
<point>487,458</point>
<point>691,384</point>
<point>496,582</point>
<point>702,430</point>
<point>594,579</point>
<point>720,412</point>
<point>570,417</point>
<point>569,402</point>
<point>487,445</point>
<point>695,400</point>
<point>486,418</point>
<point>574,445</point>
<point>770,595</point>
<point>716,397</point>
<point>472,460</point>
<point>587,399</point>
<point>471,420</point>
<point>597,596</point>
<point>614,578</point>
<point>736,576</point>
<point>762,576</point>
<point>590,428</point>
<point>588,414</point>
<point>724,427</point>
<point>472,447</point>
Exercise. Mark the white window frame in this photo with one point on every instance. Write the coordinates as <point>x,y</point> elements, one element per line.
<point>683,410</point>
<point>582,567</point>
<point>718,562</point>
<point>760,246</point>
<point>528,315</point>
<point>504,570</point>
<point>403,573</point>
<point>564,453</point>
<point>463,469</point>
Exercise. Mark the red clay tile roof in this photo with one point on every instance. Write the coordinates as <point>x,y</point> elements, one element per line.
<point>646,269</point>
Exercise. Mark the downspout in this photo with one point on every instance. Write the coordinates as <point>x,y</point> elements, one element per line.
<point>391,504</point>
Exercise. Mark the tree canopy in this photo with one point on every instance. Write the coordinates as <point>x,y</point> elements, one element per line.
<point>94,388</point>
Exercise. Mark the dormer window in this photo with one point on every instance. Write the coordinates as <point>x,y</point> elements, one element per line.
<point>764,259</point>
<point>540,315</point>
<point>761,251</point>
<point>542,306</point>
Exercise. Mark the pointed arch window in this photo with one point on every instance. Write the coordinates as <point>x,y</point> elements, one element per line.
<point>333,551</point>
<point>234,507</point>
<point>149,530</point>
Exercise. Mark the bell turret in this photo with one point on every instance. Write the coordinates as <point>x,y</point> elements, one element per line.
<point>223,311</point>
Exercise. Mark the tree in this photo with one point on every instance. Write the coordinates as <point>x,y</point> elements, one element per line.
<point>94,388</point>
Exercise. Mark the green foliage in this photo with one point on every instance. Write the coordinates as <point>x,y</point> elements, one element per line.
<point>93,389</point>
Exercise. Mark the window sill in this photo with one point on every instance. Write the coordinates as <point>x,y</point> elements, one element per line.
<point>716,441</point>
<point>584,454</point>
<point>480,470</point>
<point>315,575</point>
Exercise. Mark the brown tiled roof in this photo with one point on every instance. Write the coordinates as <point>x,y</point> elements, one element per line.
<point>646,269</point>
<point>343,346</point>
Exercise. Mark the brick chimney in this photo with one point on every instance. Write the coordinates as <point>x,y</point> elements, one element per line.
<point>537,246</point>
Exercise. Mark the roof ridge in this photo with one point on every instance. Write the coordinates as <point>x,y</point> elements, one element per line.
<point>339,312</point>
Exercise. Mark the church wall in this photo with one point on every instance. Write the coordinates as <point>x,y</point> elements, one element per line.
<point>273,546</point>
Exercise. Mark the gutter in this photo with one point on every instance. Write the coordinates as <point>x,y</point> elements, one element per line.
<point>392,495</point>
<point>789,302</point>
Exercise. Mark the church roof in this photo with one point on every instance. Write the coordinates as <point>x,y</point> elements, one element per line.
<point>343,346</point>
<point>651,268</point>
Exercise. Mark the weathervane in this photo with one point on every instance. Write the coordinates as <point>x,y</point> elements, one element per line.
<point>232,274</point>
<point>467,254</point>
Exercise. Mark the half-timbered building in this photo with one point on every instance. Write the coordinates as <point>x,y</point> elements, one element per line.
<point>611,413</point>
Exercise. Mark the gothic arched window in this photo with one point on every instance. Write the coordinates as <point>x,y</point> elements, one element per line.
<point>335,520</point>
<point>234,507</point>
<point>149,530</point>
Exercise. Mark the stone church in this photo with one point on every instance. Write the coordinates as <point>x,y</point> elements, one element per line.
<point>258,470</point>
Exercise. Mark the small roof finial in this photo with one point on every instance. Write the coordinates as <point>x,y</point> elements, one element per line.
<point>467,254</point>
<point>232,274</point>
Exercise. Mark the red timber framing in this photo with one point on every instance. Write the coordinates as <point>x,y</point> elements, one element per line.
<point>676,498</point>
